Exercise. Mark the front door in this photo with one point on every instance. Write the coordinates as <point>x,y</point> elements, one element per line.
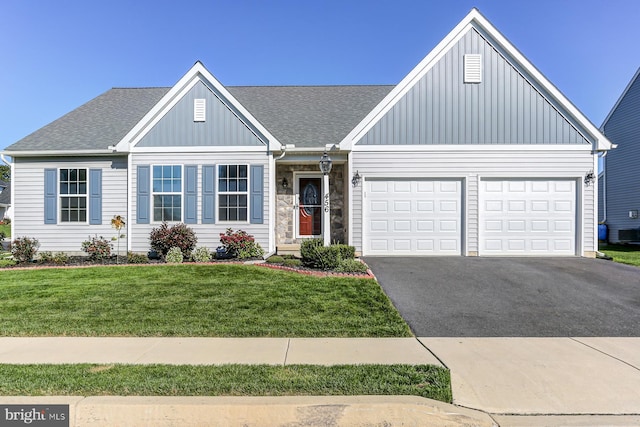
<point>309,206</point>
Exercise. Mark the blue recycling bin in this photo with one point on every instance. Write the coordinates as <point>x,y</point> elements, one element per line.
<point>603,232</point>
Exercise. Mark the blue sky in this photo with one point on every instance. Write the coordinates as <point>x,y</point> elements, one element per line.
<point>57,55</point>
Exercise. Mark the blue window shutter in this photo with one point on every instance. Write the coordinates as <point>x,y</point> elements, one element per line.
<point>95,196</point>
<point>257,194</point>
<point>191,195</point>
<point>144,197</point>
<point>50,196</point>
<point>208,194</point>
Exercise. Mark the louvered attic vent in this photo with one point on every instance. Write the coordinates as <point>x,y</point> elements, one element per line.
<point>199,109</point>
<point>473,68</point>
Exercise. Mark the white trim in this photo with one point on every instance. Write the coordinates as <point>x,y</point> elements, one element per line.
<point>471,147</point>
<point>196,74</point>
<point>198,149</point>
<point>272,222</point>
<point>624,93</point>
<point>473,20</point>
<point>349,204</point>
<point>130,198</point>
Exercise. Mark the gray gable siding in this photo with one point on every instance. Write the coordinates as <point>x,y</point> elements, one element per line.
<point>99,123</point>
<point>621,165</point>
<point>222,127</point>
<point>505,108</point>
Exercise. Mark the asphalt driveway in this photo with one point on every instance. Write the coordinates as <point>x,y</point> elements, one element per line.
<point>512,297</point>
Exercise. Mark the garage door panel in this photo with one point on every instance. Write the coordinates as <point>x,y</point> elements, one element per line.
<point>424,218</point>
<point>521,217</point>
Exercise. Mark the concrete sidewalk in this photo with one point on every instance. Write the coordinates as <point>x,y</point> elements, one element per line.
<point>516,381</point>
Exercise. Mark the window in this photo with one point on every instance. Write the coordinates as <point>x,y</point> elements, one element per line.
<point>73,195</point>
<point>233,189</point>
<point>167,193</point>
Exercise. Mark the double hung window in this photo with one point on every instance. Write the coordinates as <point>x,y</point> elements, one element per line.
<point>167,193</point>
<point>73,195</point>
<point>233,192</point>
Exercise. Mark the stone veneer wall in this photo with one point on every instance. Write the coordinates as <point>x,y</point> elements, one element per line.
<point>285,201</point>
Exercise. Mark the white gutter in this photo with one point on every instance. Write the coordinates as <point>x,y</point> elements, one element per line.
<point>13,193</point>
<point>74,153</point>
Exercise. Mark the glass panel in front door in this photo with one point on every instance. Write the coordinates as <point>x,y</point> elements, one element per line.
<point>310,212</point>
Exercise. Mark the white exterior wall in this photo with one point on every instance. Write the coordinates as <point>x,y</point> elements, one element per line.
<point>208,234</point>
<point>471,165</point>
<point>28,193</point>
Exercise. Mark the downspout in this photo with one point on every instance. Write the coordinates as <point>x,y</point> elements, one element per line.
<point>604,199</point>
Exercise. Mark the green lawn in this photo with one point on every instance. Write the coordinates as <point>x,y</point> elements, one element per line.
<point>227,380</point>
<point>219,300</point>
<point>625,254</point>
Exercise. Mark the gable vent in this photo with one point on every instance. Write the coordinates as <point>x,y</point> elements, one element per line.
<point>199,109</point>
<point>473,68</point>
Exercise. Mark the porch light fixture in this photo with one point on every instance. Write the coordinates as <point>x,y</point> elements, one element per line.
<point>325,164</point>
<point>356,179</point>
<point>325,168</point>
<point>285,183</point>
<point>589,178</point>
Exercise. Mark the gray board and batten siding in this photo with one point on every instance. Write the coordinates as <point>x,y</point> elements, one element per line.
<point>505,108</point>
<point>622,127</point>
<point>223,125</point>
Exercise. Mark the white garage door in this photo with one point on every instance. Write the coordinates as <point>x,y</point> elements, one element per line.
<point>412,217</point>
<point>528,217</point>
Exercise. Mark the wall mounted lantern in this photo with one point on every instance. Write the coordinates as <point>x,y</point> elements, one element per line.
<point>356,179</point>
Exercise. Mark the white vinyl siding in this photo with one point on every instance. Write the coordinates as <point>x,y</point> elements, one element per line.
<point>28,188</point>
<point>208,234</point>
<point>473,165</point>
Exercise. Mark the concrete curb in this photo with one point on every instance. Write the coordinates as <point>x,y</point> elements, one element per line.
<point>260,411</point>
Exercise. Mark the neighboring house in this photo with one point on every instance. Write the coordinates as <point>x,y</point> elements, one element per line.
<point>621,196</point>
<point>473,153</point>
<point>5,200</point>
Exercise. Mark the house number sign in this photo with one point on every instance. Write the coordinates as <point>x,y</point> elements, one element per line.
<point>326,202</point>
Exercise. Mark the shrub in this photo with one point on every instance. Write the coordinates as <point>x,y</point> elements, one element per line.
<point>201,254</point>
<point>7,263</point>
<point>97,248</point>
<point>180,236</point>
<point>135,258</point>
<point>351,266</point>
<point>3,236</point>
<point>174,255</point>
<point>24,249</point>
<point>346,251</point>
<point>308,250</point>
<point>292,262</point>
<point>240,244</point>
<point>275,259</point>
<point>59,258</point>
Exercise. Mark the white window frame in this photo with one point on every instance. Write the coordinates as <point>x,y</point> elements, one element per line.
<point>219,193</point>
<point>170,193</point>
<point>70,195</point>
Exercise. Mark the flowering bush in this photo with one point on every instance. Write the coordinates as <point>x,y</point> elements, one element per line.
<point>201,254</point>
<point>24,249</point>
<point>97,248</point>
<point>240,244</point>
<point>164,238</point>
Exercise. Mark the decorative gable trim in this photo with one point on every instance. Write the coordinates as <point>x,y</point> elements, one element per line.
<point>474,20</point>
<point>196,74</point>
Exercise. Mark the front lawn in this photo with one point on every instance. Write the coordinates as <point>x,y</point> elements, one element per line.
<point>228,380</point>
<point>219,300</point>
<point>625,254</point>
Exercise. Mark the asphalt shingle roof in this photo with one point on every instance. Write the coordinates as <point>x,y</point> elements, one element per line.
<point>96,125</point>
<point>307,116</point>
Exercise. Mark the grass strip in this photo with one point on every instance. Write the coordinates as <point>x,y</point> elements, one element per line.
<point>227,380</point>
<point>192,300</point>
<point>624,254</point>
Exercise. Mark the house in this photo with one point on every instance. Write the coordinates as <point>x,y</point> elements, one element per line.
<point>5,200</point>
<point>620,197</point>
<point>473,153</point>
